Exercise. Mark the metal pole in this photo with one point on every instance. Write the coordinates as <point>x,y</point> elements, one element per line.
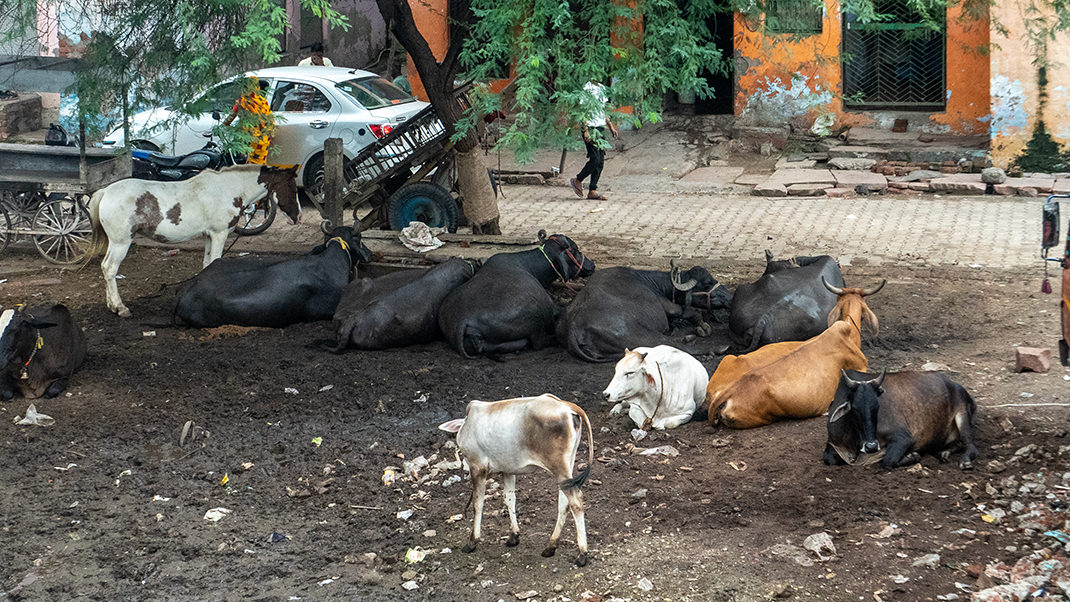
<point>333,181</point>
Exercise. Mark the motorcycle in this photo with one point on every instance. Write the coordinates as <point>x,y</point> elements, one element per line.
<point>152,165</point>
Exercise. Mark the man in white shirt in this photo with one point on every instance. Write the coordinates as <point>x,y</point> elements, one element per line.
<point>316,58</point>
<point>598,120</point>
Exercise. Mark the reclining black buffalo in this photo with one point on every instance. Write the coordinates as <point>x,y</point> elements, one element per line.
<point>505,306</point>
<point>398,309</point>
<point>260,292</point>
<point>40,348</point>
<point>624,308</point>
<point>788,303</point>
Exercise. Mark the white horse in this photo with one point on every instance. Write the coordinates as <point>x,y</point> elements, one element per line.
<point>209,203</point>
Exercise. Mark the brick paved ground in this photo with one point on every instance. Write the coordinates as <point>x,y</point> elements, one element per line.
<point>930,230</point>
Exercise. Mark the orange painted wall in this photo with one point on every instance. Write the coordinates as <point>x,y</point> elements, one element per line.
<point>430,17</point>
<point>813,62</point>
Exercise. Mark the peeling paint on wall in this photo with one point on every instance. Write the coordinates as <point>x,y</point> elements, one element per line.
<point>1008,108</point>
<point>773,103</point>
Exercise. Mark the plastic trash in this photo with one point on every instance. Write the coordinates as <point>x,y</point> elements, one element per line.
<point>33,417</point>
<point>415,555</point>
<point>216,514</point>
<point>420,237</point>
<point>818,543</point>
<point>823,125</point>
<point>664,450</point>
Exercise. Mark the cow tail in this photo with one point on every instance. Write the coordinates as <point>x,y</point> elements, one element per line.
<point>583,349</point>
<point>469,351</point>
<point>579,480</point>
<point>971,405</point>
<point>99,241</point>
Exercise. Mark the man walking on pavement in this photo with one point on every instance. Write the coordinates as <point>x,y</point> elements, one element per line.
<point>598,120</point>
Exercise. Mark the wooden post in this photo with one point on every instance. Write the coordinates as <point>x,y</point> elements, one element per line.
<point>333,180</point>
<point>561,168</point>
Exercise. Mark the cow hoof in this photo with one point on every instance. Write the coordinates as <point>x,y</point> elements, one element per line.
<point>945,456</point>
<point>548,552</point>
<point>469,548</point>
<point>704,330</point>
<point>965,464</point>
<point>581,560</point>
<point>689,338</point>
<point>911,458</point>
<point>513,541</point>
<point>123,312</point>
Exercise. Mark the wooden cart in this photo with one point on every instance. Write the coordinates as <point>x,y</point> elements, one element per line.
<point>44,193</point>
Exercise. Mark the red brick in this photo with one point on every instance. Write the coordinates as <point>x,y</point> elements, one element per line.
<point>1033,359</point>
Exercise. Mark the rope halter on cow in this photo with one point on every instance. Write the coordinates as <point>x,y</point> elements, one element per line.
<point>568,253</point>
<point>649,422</point>
<point>39,343</point>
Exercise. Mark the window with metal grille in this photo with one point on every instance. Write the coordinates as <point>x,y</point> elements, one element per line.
<point>793,16</point>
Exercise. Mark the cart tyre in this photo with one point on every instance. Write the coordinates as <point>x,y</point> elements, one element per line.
<point>422,202</point>
<point>71,231</point>
<point>251,223</point>
<point>5,234</point>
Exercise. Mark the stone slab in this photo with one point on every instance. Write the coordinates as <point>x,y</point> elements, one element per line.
<point>770,190</point>
<point>850,179</point>
<point>951,185</point>
<point>787,177</point>
<point>961,177</point>
<point>714,175</point>
<point>752,179</point>
<point>785,163</point>
<point>851,163</point>
<point>1062,186</point>
<point>858,152</point>
<point>839,193</point>
<point>1043,185</point>
<point>808,189</point>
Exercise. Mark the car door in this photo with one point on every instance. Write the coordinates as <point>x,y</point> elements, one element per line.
<point>304,117</point>
<point>191,134</point>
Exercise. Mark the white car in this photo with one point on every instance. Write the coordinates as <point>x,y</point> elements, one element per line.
<point>311,103</point>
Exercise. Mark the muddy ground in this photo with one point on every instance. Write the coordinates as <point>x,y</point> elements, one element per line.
<point>105,504</point>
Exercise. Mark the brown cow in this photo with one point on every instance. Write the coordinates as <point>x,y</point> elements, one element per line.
<point>801,384</point>
<point>850,307</point>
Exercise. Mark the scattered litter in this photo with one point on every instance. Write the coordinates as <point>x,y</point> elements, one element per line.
<point>454,518</point>
<point>791,551</point>
<point>738,465</point>
<point>216,514</point>
<point>640,493</point>
<point>1027,395</point>
<point>317,441</point>
<point>324,582</point>
<point>421,399</point>
<point>430,533</point>
<point>120,277</point>
<point>638,435</point>
<point>122,474</point>
<point>69,466</point>
<point>935,367</point>
<point>413,467</point>
<point>148,333</point>
<point>247,465</point>
<point>930,561</point>
<point>1060,535</point>
<point>278,537</point>
<point>225,479</point>
<point>409,585</point>
<point>171,252</point>
<point>818,543</point>
<point>389,476</point>
<point>405,514</point>
<point>453,480</point>
<point>32,417</point>
<point>597,210</point>
<point>160,498</point>
<point>446,551</point>
<point>886,532</point>
<point>159,517</point>
<point>664,450</point>
<point>645,584</point>
<point>290,390</point>
<point>900,579</point>
<point>420,237</point>
<point>525,595</point>
<point>326,388</point>
<point>415,555</point>
<point>297,492</point>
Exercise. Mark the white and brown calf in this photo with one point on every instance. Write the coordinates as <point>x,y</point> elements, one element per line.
<point>516,436</point>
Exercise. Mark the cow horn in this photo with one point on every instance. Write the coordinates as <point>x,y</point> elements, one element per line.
<point>851,383</point>
<point>768,256</point>
<point>676,282</point>
<point>323,227</point>
<point>874,291</point>
<point>880,379</point>
<point>542,237</point>
<point>835,290</point>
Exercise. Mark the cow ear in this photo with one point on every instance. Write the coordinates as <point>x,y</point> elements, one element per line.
<point>642,356</point>
<point>839,412</point>
<point>452,426</point>
<point>542,237</point>
<point>869,321</point>
<point>880,391</point>
<point>627,351</point>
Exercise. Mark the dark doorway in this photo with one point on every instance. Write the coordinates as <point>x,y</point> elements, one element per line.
<point>722,83</point>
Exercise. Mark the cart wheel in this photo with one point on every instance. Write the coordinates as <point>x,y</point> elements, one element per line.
<point>422,202</point>
<point>66,231</point>
<point>21,206</point>
<point>254,219</point>
<point>6,232</point>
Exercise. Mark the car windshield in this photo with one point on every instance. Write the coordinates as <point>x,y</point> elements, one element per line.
<point>374,92</point>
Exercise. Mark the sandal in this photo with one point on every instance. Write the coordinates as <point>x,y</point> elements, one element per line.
<point>577,187</point>
<point>594,196</point>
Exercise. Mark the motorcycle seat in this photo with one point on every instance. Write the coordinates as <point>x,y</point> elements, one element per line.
<point>165,160</point>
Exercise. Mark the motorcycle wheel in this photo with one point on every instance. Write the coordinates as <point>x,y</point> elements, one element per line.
<point>254,219</point>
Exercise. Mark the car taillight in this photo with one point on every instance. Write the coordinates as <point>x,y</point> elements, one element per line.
<point>381,130</point>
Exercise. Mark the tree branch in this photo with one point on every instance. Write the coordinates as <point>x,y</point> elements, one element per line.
<point>405,30</point>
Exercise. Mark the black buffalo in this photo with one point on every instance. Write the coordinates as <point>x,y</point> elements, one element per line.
<point>40,348</point>
<point>901,415</point>
<point>624,308</point>
<point>505,306</point>
<point>275,293</point>
<point>398,309</point>
<point>788,303</point>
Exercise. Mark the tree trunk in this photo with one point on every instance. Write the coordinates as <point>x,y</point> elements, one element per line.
<point>480,206</point>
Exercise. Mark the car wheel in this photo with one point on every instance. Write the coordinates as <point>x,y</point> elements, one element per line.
<point>144,145</point>
<point>422,202</point>
<point>313,178</point>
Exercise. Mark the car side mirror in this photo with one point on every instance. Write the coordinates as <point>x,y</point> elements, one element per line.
<point>216,115</point>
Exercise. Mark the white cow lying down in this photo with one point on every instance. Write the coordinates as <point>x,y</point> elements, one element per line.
<point>659,386</point>
<point>515,436</point>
